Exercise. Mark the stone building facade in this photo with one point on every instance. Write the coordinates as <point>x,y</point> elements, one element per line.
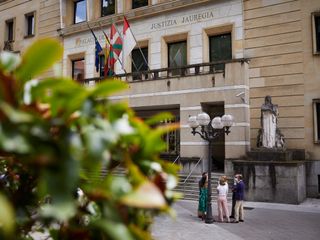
<point>157,27</point>
<point>231,54</point>
<point>23,21</point>
<point>282,43</point>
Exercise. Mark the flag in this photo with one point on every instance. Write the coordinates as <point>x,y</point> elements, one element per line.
<point>115,48</point>
<point>116,41</point>
<point>129,41</point>
<point>107,54</point>
<point>98,49</point>
<point>111,62</point>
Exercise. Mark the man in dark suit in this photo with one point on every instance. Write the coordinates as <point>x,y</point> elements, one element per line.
<point>239,196</point>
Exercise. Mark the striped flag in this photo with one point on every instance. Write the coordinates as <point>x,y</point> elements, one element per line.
<point>129,41</point>
<point>116,41</point>
<point>107,54</point>
<point>115,48</point>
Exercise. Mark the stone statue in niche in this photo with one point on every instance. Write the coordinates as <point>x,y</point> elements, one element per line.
<point>269,135</point>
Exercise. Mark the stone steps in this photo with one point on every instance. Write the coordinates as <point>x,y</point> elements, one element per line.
<point>189,187</point>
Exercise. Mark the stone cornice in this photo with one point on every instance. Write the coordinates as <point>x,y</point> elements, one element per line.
<point>131,15</point>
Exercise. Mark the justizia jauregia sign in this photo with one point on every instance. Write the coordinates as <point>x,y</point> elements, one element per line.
<point>192,18</point>
<point>174,21</point>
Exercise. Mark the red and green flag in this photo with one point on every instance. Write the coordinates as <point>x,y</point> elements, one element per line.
<point>115,48</point>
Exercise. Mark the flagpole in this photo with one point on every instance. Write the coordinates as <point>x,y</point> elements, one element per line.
<point>135,66</point>
<point>107,54</point>
<point>145,60</point>
<point>92,32</point>
<point>106,36</point>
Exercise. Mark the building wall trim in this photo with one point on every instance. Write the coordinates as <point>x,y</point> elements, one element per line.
<point>227,143</point>
<point>199,90</point>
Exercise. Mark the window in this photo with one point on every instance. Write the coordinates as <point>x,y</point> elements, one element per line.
<point>10,30</point>
<point>316,120</point>
<point>177,56</point>
<point>316,32</point>
<point>139,62</point>
<point>107,7</point>
<point>78,70</point>
<point>220,49</point>
<point>139,3</point>
<point>172,138</point>
<point>29,24</point>
<point>80,11</point>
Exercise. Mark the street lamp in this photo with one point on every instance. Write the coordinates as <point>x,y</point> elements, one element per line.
<point>210,130</point>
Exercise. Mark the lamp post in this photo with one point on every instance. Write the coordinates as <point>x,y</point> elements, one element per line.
<point>210,129</point>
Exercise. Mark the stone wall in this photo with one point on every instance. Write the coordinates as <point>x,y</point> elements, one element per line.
<point>313,178</point>
<point>311,63</point>
<point>282,182</point>
<point>278,40</point>
<point>49,21</point>
<point>194,24</point>
<point>16,10</point>
<point>273,42</point>
<point>49,18</point>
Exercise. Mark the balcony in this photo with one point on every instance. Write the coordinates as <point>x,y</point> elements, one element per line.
<point>8,45</point>
<point>168,73</point>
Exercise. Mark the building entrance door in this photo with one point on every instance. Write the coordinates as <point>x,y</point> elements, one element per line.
<point>218,146</point>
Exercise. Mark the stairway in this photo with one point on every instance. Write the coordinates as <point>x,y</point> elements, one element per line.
<point>190,188</point>
<point>96,176</point>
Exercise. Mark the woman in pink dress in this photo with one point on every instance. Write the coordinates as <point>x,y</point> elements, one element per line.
<point>222,199</point>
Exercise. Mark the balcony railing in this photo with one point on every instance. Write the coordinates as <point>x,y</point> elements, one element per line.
<point>8,45</point>
<point>166,73</point>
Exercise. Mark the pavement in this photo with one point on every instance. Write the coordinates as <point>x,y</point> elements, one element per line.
<point>262,221</point>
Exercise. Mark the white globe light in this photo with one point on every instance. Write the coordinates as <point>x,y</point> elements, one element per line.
<point>216,123</point>
<point>227,120</point>
<point>192,121</point>
<point>203,119</point>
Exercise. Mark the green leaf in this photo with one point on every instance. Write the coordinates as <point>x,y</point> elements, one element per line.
<point>117,109</point>
<point>140,233</point>
<point>118,185</point>
<point>52,89</point>
<point>14,115</point>
<point>7,218</point>
<point>58,92</point>
<point>41,55</point>
<point>147,195</point>
<point>116,230</point>
<point>61,211</point>
<point>9,61</point>
<point>106,88</point>
<point>154,143</point>
<point>13,141</point>
<point>156,119</point>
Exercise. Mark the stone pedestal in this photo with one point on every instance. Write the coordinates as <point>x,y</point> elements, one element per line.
<point>274,175</point>
<point>266,154</point>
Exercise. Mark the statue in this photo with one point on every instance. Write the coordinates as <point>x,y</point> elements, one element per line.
<point>269,135</point>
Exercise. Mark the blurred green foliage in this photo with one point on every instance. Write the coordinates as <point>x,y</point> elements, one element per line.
<point>55,134</point>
